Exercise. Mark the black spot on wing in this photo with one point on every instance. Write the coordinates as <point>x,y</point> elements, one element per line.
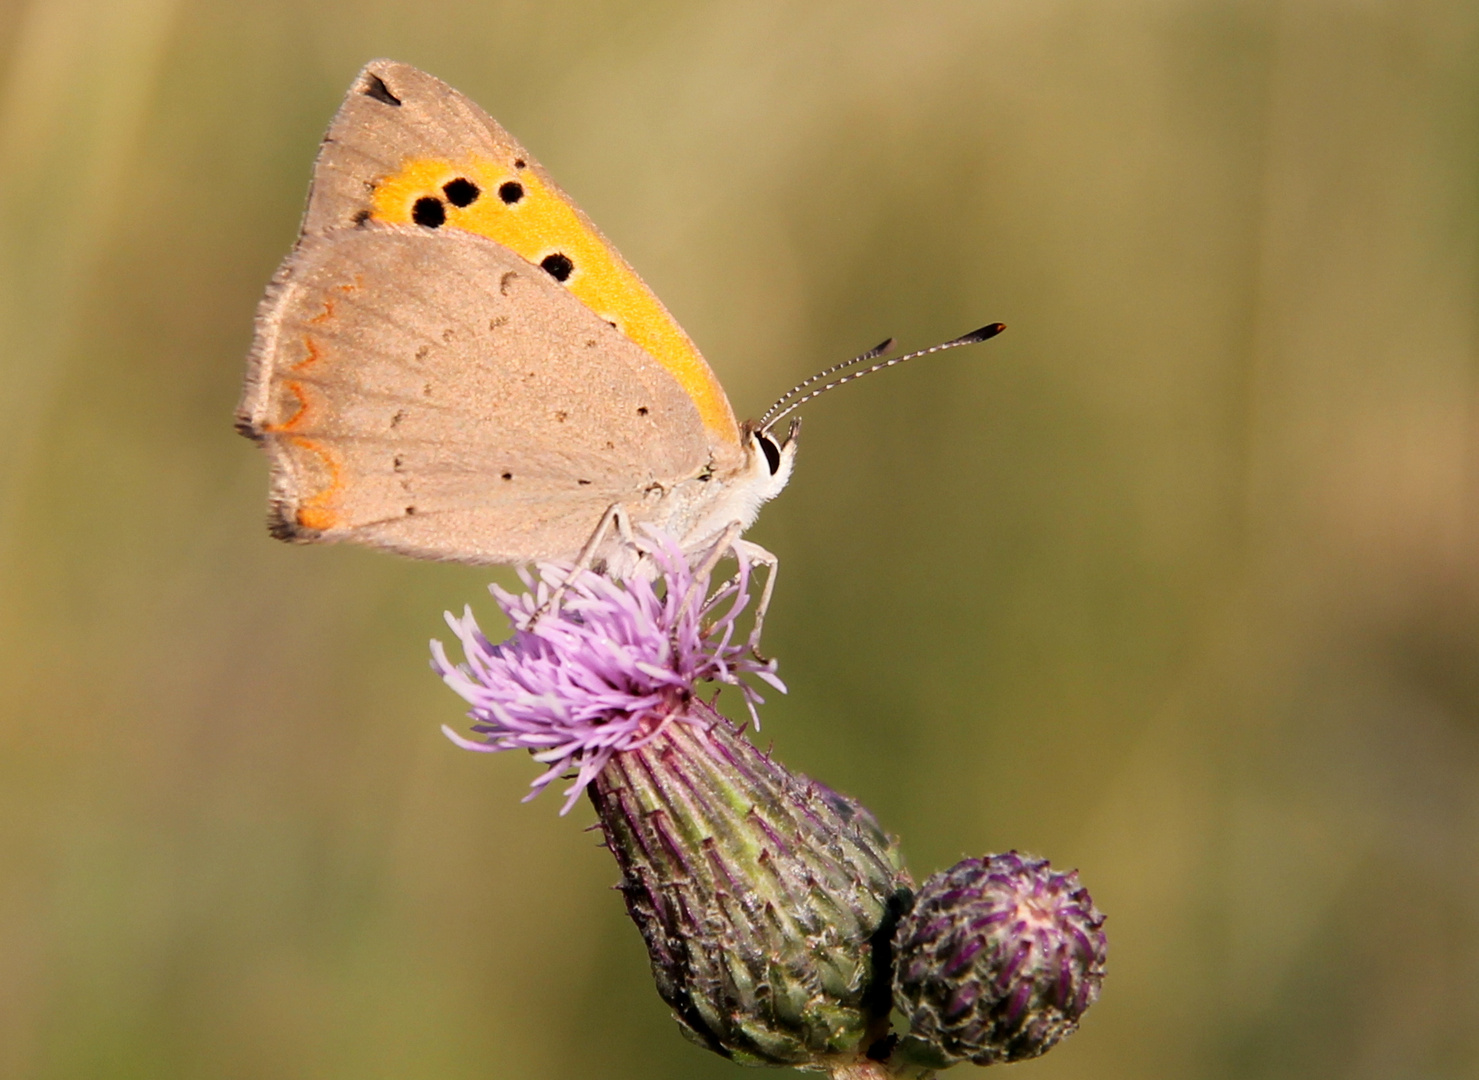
<point>375,87</point>
<point>510,191</point>
<point>429,212</point>
<point>462,191</point>
<point>360,217</point>
<point>558,266</point>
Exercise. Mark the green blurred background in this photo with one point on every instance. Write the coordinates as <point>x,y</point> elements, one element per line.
<point>1176,582</point>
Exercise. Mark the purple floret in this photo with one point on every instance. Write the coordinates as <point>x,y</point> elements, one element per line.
<point>606,670</point>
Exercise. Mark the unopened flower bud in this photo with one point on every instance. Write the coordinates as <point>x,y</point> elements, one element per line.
<point>997,961</point>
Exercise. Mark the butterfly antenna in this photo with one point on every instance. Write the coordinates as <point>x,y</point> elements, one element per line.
<point>872,354</point>
<point>782,408</point>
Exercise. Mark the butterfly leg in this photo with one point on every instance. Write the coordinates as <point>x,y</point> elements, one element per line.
<point>748,553</point>
<point>615,518</point>
<point>759,556</point>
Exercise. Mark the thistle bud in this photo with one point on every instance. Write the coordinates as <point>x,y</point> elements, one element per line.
<point>997,962</point>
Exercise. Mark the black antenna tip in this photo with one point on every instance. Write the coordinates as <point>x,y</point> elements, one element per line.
<point>986,333</point>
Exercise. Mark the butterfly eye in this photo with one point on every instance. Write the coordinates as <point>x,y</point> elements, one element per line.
<point>771,451</point>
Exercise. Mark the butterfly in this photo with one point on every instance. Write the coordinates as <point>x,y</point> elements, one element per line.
<point>453,362</point>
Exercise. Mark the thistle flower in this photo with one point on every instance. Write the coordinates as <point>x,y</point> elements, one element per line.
<point>997,962</point>
<point>605,671</point>
<point>767,902</point>
<point>776,912</point>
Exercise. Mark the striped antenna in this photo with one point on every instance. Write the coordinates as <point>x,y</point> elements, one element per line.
<point>789,402</point>
<point>872,354</point>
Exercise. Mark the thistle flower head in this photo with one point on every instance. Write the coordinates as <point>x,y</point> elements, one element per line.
<point>997,962</point>
<point>605,668</point>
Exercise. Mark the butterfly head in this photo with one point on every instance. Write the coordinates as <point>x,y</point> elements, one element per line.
<point>768,459</point>
<point>736,494</point>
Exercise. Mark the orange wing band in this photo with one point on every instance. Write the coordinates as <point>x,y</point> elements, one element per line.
<point>510,205</point>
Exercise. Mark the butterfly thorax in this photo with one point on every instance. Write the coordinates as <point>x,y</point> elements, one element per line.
<point>696,510</point>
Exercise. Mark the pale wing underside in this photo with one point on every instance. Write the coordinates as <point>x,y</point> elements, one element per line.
<point>433,393</point>
<point>394,113</point>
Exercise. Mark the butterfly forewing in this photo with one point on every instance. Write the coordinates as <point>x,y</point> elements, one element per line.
<point>406,148</point>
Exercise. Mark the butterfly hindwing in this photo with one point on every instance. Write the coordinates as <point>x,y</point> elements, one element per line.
<point>434,393</point>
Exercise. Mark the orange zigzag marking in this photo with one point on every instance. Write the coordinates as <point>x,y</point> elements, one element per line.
<point>317,512</point>
<point>299,413</point>
<point>313,354</point>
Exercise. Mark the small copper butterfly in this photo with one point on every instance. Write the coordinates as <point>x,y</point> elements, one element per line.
<point>454,363</point>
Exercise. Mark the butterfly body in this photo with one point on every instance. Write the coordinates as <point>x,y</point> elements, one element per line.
<point>453,363</point>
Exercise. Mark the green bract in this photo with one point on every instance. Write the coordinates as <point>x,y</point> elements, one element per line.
<point>767,900</point>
